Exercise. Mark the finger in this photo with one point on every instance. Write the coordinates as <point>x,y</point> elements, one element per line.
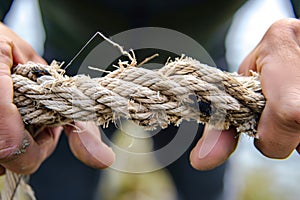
<point>19,57</point>
<point>47,140</point>
<point>11,127</point>
<point>24,53</point>
<point>11,52</point>
<point>9,113</point>
<point>214,148</point>
<point>19,152</point>
<point>6,60</point>
<point>248,64</point>
<point>275,140</point>
<point>279,128</point>
<point>86,144</point>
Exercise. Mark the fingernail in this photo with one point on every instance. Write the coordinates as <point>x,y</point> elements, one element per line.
<point>211,137</point>
<point>106,156</point>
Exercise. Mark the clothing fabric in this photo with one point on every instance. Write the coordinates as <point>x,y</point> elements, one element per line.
<point>69,24</point>
<point>296,7</point>
<point>4,8</point>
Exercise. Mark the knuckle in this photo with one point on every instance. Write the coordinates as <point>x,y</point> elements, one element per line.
<point>285,109</point>
<point>284,27</point>
<point>6,46</point>
<point>286,23</point>
<point>289,114</point>
<point>5,54</point>
<point>5,40</point>
<point>282,38</point>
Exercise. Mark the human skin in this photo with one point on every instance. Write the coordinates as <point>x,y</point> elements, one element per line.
<point>86,146</point>
<point>277,59</point>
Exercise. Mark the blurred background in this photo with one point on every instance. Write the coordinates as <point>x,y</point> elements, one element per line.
<point>250,175</point>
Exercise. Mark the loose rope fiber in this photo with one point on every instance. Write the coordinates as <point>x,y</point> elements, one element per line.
<point>150,98</point>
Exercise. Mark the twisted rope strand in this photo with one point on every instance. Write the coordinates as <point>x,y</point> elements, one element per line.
<point>151,98</point>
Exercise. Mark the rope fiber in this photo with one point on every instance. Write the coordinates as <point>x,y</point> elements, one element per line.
<point>184,89</point>
<point>151,98</point>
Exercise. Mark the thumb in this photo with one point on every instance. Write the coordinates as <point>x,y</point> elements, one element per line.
<point>214,148</point>
<point>86,144</point>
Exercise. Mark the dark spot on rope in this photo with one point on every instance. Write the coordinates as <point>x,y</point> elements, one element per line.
<point>205,108</point>
<point>40,72</point>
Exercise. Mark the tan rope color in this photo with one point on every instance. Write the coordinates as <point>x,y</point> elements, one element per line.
<point>151,98</point>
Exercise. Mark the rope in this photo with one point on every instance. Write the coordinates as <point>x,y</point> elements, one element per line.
<point>16,187</point>
<point>151,98</point>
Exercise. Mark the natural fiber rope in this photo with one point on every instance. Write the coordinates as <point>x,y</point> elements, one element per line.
<point>151,98</point>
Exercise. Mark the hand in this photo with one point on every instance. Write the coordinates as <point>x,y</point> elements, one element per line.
<point>19,151</point>
<point>22,52</point>
<point>277,59</point>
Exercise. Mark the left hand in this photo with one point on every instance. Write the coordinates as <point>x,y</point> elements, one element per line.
<point>86,145</point>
